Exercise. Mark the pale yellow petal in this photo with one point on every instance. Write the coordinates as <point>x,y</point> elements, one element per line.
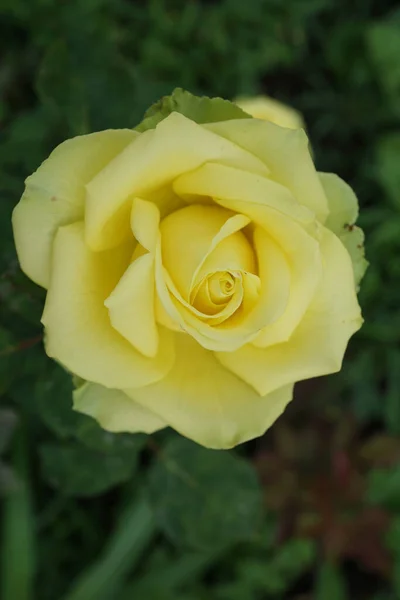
<point>224,182</point>
<point>55,194</point>
<point>343,206</point>
<point>152,161</point>
<point>301,252</point>
<point>269,109</point>
<point>77,327</point>
<point>131,306</point>
<point>194,313</point>
<point>304,259</point>
<point>114,410</point>
<point>145,220</point>
<point>319,342</point>
<point>193,235</point>
<point>239,329</point>
<point>286,154</point>
<point>342,201</point>
<point>207,403</point>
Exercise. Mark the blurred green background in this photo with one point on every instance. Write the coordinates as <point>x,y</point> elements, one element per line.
<point>312,509</point>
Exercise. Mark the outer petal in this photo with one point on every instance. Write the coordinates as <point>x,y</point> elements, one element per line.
<point>114,410</point>
<point>319,342</point>
<point>207,403</point>
<point>342,201</point>
<point>343,206</point>
<point>55,194</point>
<point>152,161</point>
<point>78,330</point>
<point>269,109</point>
<point>286,154</point>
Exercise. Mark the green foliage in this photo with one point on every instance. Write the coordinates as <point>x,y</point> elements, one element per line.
<point>79,471</point>
<point>198,109</point>
<point>204,498</point>
<point>331,585</point>
<point>324,522</point>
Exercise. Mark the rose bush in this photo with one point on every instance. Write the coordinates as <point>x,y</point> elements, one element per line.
<point>194,269</point>
<point>269,109</point>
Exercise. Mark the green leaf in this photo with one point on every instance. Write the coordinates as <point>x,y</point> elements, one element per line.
<point>18,531</point>
<point>383,487</point>
<point>89,432</point>
<point>199,109</point>
<point>383,41</point>
<point>8,421</point>
<point>53,398</point>
<point>204,498</point>
<point>282,569</point>
<point>80,471</point>
<point>392,537</point>
<point>392,403</point>
<point>387,163</point>
<point>163,581</point>
<point>331,584</point>
<point>103,579</point>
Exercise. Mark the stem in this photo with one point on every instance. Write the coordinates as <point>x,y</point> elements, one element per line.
<point>103,579</point>
<point>18,543</point>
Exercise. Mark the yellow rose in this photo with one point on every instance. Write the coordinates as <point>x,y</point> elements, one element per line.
<point>268,109</point>
<point>190,278</point>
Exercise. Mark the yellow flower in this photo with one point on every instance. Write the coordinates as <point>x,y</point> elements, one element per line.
<point>191,277</point>
<point>268,109</point>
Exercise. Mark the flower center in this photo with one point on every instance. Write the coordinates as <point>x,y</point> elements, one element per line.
<point>209,260</point>
<point>221,287</point>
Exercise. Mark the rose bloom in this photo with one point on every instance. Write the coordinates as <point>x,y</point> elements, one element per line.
<point>194,273</point>
<point>269,109</point>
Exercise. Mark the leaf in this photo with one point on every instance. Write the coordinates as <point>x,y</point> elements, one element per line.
<point>8,421</point>
<point>89,432</point>
<point>80,471</point>
<point>103,579</point>
<point>331,584</point>
<point>387,164</point>
<point>383,487</point>
<point>7,364</point>
<point>198,109</point>
<point>18,564</point>
<point>204,498</point>
<point>392,403</point>
<point>275,575</point>
<point>383,41</point>
<point>53,397</point>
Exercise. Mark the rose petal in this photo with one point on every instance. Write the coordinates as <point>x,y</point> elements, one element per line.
<point>207,403</point>
<point>286,154</point>
<point>55,195</point>
<point>145,221</point>
<point>274,277</point>
<point>78,330</point>
<point>152,161</point>
<point>227,183</point>
<point>114,410</point>
<point>319,342</point>
<point>131,306</point>
<point>197,234</point>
